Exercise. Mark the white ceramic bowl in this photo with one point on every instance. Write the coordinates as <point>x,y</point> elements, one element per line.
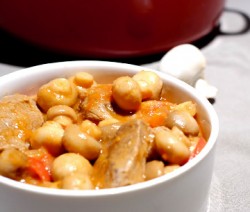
<point>185,189</point>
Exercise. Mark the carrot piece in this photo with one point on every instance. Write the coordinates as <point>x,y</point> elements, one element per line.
<point>199,146</point>
<point>154,112</point>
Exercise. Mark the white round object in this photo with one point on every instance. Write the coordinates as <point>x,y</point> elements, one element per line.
<point>205,89</point>
<point>185,62</point>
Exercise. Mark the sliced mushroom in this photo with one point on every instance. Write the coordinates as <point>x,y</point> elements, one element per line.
<point>183,120</point>
<point>62,114</point>
<point>59,91</point>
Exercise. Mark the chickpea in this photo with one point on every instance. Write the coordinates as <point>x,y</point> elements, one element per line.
<point>62,114</point>
<point>69,163</point>
<point>150,84</point>
<point>170,147</point>
<point>126,93</point>
<point>106,122</point>
<point>181,136</point>
<point>154,169</point>
<point>91,129</point>
<point>170,168</point>
<point>64,121</point>
<point>83,79</point>
<point>59,91</point>
<point>183,120</point>
<point>11,159</point>
<point>48,136</point>
<point>77,141</point>
<point>188,106</point>
<point>48,184</point>
<point>77,181</point>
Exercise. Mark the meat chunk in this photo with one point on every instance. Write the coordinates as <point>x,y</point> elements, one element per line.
<point>19,115</point>
<point>109,133</point>
<point>97,103</point>
<point>123,161</point>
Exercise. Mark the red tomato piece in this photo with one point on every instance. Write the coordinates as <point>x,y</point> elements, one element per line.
<point>40,167</point>
<point>199,146</point>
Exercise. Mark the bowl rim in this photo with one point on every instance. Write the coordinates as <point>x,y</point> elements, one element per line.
<point>57,66</point>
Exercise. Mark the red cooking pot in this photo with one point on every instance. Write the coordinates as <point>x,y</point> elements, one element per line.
<point>111,28</point>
